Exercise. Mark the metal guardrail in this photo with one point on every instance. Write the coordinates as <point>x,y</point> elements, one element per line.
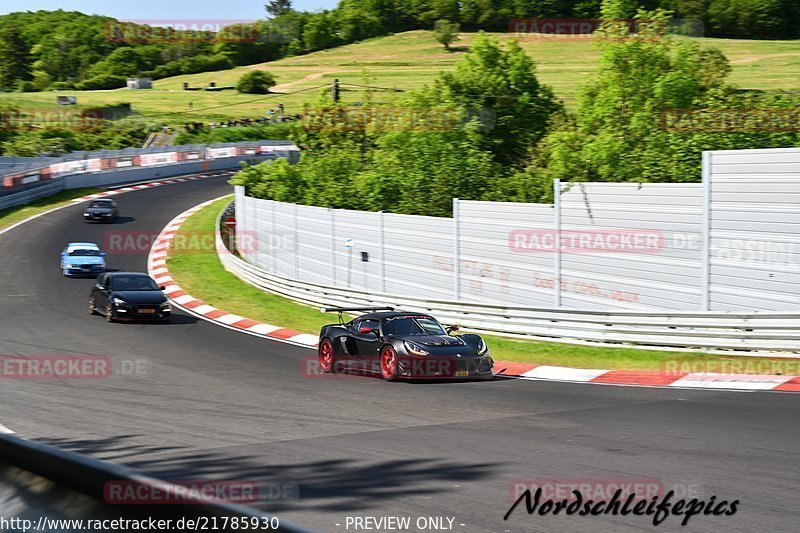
<point>747,332</point>
<point>81,474</point>
<point>29,164</point>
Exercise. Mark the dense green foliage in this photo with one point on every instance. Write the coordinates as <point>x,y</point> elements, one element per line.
<point>67,48</point>
<point>278,131</point>
<point>15,67</point>
<point>58,141</point>
<point>255,82</point>
<point>63,50</point>
<point>485,117</point>
<point>512,138</point>
<point>111,127</point>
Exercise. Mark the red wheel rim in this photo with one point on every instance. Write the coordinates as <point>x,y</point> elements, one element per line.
<point>388,363</point>
<point>326,355</point>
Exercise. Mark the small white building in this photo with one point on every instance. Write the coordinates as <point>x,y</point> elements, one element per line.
<point>140,83</point>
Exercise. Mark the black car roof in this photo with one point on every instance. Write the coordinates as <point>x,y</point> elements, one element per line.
<point>114,274</point>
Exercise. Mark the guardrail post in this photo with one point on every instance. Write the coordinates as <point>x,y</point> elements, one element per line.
<point>276,242</point>
<point>456,252</point>
<point>332,226</point>
<point>294,242</point>
<point>705,277</point>
<point>381,248</point>
<point>557,231</point>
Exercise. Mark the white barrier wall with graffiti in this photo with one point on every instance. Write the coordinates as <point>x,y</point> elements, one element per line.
<point>623,246</point>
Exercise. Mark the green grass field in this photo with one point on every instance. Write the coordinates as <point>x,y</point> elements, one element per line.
<point>12,215</point>
<point>203,276</point>
<point>405,61</point>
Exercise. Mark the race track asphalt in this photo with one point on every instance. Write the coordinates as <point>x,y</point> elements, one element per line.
<point>211,403</point>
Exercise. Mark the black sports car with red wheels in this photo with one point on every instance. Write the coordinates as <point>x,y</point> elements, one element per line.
<point>399,345</point>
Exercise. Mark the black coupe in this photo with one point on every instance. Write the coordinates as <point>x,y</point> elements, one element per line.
<point>399,345</point>
<point>129,296</point>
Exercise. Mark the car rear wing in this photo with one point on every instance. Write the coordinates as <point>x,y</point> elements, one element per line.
<point>341,310</point>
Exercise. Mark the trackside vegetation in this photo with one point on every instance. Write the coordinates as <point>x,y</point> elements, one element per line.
<point>71,50</point>
<point>489,130</point>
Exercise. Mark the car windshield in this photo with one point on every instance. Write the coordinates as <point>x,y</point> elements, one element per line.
<point>133,283</point>
<point>83,252</point>
<point>100,203</point>
<point>412,325</point>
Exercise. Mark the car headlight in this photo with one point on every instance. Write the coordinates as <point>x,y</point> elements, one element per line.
<point>482,348</point>
<point>118,301</point>
<point>415,349</point>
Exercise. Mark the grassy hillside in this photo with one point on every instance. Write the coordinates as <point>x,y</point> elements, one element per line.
<point>406,61</point>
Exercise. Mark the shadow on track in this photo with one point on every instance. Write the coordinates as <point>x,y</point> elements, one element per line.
<point>349,484</point>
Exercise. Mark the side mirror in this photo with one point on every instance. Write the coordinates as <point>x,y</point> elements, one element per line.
<point>452,328</point>
<point>102,254</point>
<point>100,287</point>
<point>162,288</point>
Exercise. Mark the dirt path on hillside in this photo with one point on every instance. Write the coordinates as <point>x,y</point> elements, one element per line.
<point>282,87</point>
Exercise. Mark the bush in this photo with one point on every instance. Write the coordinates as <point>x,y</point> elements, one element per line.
<point>104,81</point>
<point>190,65</point>
<point>255,82</point>
<point>62,86</point>
<point>27,87</point>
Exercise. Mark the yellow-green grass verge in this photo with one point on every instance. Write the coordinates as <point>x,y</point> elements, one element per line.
<point>12,215</point>
<point>404,61</point>
<point>201,274</point>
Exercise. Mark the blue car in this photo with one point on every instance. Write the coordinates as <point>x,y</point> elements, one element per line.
<point>82,259</point>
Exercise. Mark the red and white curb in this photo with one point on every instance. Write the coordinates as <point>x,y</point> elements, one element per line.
<point>646,378</point>
<point>149,185</point>
<point>157,268</point>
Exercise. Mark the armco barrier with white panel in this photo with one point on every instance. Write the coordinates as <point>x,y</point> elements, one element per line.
<point>763,331</point>
<point>731,243</point>
<point>22,184</point>
<point>718,256</point>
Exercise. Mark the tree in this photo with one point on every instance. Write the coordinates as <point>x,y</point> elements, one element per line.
<point>255,82</point>
<point>500,88</point>
<point>618,134</point>
<point>278,7</point>
<point>15,59</point>
<point>445,32</point>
